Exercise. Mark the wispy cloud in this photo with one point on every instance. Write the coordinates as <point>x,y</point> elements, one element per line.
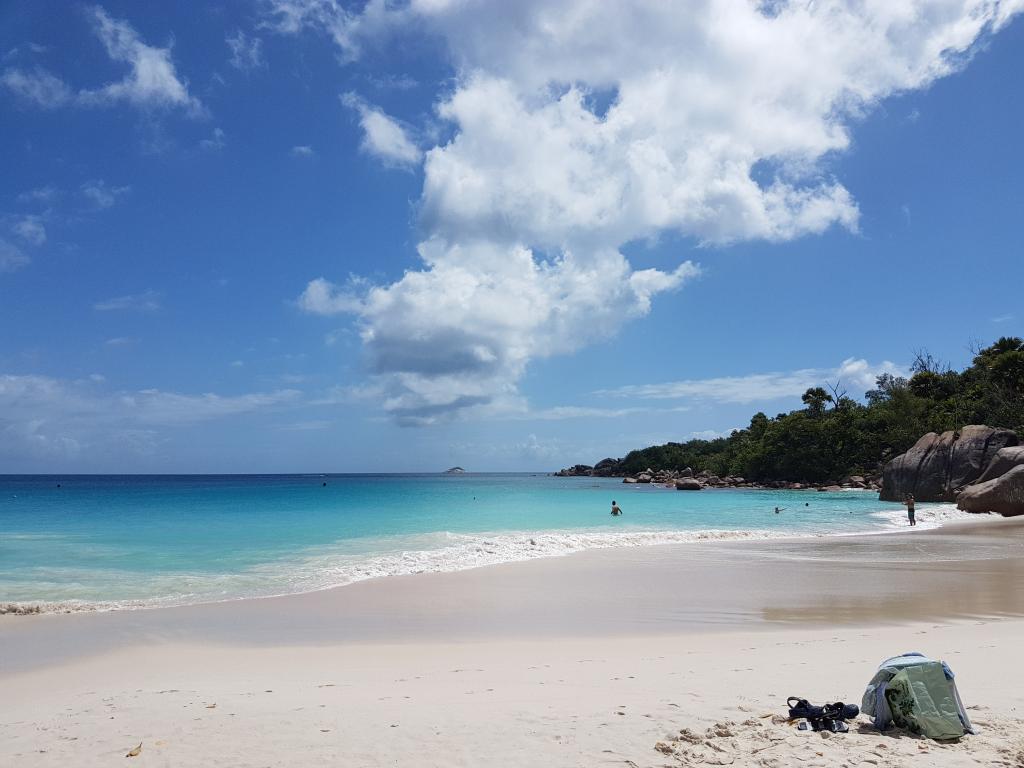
<point>44,194</point>
<point>11,257</point>
<point>101,194</point>
<point>147,301</point>
<point>566,412</point>
<point>1002,318</point>
<point>49,417</point>
<point>30,229</point>
<point>856,374</point>
<point>302,150</point>
<point>246,51</point>
<point>392,82</point>
<point>215,143</point>
<point>152,81</point>
<point>120,341</point>
<point>384,137</point>
<point>37,87</point>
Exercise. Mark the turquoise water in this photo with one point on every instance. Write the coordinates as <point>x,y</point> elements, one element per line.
<point>87,542</point>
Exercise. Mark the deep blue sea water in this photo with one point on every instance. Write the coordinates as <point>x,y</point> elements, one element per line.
<point>87,542</point>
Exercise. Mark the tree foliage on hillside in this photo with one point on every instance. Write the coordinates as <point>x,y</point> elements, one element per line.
<point>834,436</point>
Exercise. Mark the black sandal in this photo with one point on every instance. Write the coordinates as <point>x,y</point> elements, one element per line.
<point>803,708</point>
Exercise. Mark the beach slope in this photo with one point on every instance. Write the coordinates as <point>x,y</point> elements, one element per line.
<point>675,655</point>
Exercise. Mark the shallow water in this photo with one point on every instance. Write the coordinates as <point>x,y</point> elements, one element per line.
<point>88,542</point>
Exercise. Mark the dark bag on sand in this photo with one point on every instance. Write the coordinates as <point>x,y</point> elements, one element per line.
<point>829,717</point>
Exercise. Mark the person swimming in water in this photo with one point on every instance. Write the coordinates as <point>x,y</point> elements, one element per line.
<point>615,509</point>
<point>778,509</point>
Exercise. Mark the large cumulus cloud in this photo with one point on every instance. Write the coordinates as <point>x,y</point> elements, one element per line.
<point>580,126</point>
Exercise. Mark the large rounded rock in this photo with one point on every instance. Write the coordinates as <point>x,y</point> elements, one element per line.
<point>1004,460</point>
<point>1003,494</point>
<point>938,466</point>
<point>688,484</point>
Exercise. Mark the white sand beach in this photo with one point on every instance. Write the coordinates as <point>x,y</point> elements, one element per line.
<point>674,655</point>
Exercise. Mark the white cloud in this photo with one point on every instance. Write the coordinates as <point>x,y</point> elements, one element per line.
<point>461,333</point>
<point>246,52</point>
<point>101,194</point>
<point>148,301</point>
<point>38,86</point>
<point>152,81</point>
<point>577,127</point>
<point>120,341</point>
<point>44,416</point>
<point>302,150</point>
<point>857,375</point>
<point>383,136</point>
<point>548,451</point>
<point>215,143</point>
<point>30,229</point>
<point>564,412</point>
<point>860,375</point>
<point>1005,318</point>
<point>45,194</point>
<point>392,82</point>
<point>153,406</point>
<point>11,257</point>
<point>322,297</point>
<point>345,27</point>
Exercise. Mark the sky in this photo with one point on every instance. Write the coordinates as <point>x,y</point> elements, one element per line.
<point>325,236</point>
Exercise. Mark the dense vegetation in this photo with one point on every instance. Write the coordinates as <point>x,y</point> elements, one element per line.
<point>834,436</point>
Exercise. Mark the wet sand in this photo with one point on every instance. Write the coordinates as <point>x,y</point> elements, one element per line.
<point>962,571</point>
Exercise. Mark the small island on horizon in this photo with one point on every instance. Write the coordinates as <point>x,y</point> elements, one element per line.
<point>454,471</point>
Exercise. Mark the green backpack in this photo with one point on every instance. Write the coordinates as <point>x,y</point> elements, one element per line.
<point>918,694</point>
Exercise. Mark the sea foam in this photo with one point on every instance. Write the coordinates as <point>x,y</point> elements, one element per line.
<point>443,552</point>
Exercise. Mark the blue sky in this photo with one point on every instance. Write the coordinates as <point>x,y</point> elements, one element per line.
<point>305,235</point>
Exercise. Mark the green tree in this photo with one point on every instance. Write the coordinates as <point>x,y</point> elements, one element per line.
<point>818,443</point>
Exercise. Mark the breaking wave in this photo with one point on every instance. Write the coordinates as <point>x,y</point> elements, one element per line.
<point>928,517</point>
<point>329,567</point>
<point>338,565</point>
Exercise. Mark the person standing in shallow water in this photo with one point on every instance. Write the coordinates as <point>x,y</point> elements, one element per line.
<point>615,509</point>
<point>909,501</point>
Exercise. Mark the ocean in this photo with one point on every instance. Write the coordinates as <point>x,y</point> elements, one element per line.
<point>104,542</point>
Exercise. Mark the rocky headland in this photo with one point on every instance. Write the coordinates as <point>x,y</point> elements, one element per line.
<point>980,468</point>
<point>688,479</point>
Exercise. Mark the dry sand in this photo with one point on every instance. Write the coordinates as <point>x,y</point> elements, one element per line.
<point>675,655</point>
